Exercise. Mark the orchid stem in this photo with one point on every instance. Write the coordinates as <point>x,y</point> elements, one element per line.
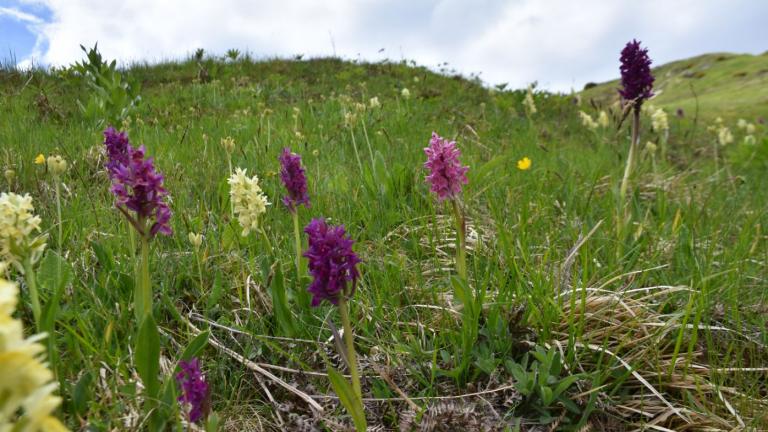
<point>354,145</point>
<point>297,239</point>
<point>351,357</point>
<point>367,141</point>
<point>461,247</point>
<point>143,292</point>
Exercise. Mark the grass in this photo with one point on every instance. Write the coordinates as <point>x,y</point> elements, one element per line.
<point>713,85</point>
<point>670,332</point>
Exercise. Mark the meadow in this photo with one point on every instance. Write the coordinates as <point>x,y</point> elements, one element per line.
<point>578,310</point>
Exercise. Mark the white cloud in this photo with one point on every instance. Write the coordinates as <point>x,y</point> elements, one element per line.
<point>19,15</point>
<point>560,43</point>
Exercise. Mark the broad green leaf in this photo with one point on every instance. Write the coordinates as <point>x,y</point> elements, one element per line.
<point>348,398</point>
<point>194,347</point>
<point>82,393</point>
<point>147,355</point>
<point>565,383</point>
<point>280,306</point>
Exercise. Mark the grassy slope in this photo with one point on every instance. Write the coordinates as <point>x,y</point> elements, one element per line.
<point>692,229</point>
<point>727,85</point>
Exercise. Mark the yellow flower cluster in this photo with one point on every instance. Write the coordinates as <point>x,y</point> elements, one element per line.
<point>248,199</point>
<point>659,120</point>
<point>26,387</point>
<point>17,230</point>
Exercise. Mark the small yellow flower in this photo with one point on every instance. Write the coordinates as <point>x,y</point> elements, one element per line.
<point>524,164</point>
<point>40,159</point>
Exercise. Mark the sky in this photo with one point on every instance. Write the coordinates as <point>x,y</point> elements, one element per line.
<point>560,44</point>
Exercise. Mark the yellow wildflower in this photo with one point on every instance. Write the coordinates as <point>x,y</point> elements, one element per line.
<point>524,164</point>
<point>405,93</point>
<point>248,199</point>
<point>18,224</point>
<point>39,159</point>
<point>25,382</point>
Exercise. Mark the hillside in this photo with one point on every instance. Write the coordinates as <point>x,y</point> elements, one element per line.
<point>534,296</point>
<point>726,85</point>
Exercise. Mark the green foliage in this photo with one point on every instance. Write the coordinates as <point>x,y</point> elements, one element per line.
<point>353,405</point>
<point>540,381</point>
<point>438,336</point>
<point>112,98</point>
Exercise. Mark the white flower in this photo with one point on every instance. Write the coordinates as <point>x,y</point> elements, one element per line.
<point>724,135</point>
<point>350,119</point>
<point>529,103</point>
<point>56,165</point>
<point>405,93</point>
<point>195,239</point>
<point>18,225</point>
<point>25,382</point>
<point>741,124</point>
<point>248,199</point>
<point>659,121</point>
<point>586,120</point>
<point>750,128</point>
<point>749,140</point>
<point>374,102</point>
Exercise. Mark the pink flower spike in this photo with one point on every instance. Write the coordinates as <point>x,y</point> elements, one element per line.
<point>446,174</point>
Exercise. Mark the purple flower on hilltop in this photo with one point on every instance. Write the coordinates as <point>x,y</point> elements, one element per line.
<point>292,175</point>
<point>117,145</point>
<point>636,77</point>
<point>332,263</point>
<point>139,187</point>
<point>194,389</point>
<point>446,174</point>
